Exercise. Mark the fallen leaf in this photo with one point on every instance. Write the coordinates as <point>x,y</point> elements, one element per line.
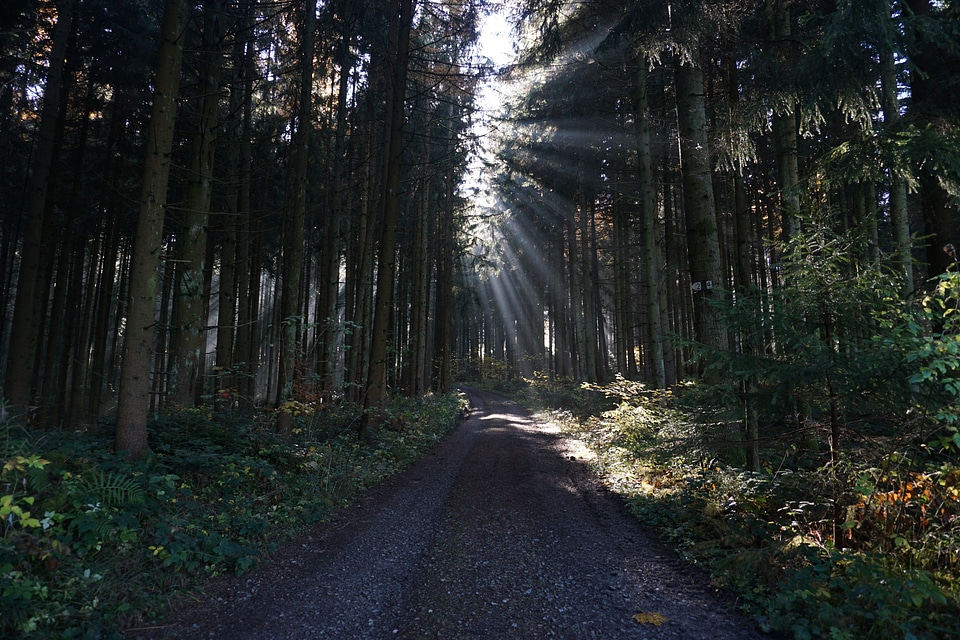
<point>649,618</point>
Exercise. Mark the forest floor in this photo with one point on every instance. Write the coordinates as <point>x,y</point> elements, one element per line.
<point>499,532</point>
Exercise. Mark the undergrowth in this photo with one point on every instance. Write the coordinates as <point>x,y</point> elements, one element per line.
<point>91,543</point>
<point>766,535</point>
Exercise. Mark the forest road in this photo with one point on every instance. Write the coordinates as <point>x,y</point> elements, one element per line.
<point>499,533</point>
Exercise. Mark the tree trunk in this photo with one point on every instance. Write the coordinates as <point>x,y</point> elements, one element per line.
<point>329,278</point>
<point>105,286</point>
<point>360,275</point>
<point>929,83</point>
<point>420,294</point>
<point>248,262</point>
<point>376,392</point>
<point>189,315</point>
<point>648,213</point>
<point>587,291</point>
<point>295,213</point>
<point>703,244</point>
<point>131,434</point>
<point>899,215</point>
<point>443,332</point>
<point>622,301</point>
<point>785,130</point>
<point>65,309</point>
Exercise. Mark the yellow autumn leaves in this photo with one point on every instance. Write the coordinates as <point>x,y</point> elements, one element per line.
<point>649,618</point>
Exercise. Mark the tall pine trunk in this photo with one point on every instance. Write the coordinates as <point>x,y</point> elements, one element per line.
<point>443,331</point>
<point>703,245</point>
<point>189,315</point>
<point>899,214</point>
<point>376,392</point>
<point>295,216</point>
<point>780,31</point>
<point>587,291</point>
<point>929,82</point>
<point>648,213</point>
<point>134,400</point>
<point>329,279</point>
<point>420,292</point>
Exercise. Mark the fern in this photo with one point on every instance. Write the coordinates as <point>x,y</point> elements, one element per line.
<point>110,489</point>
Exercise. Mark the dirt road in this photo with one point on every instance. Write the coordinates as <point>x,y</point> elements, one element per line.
<point>497,533</point>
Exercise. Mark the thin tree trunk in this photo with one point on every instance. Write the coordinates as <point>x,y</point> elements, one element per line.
<point>65,310</point>
<point>675,309</point>
<point>295,216</point>
<point>229,274</point>
<point>376,392</point>
<point>587,291</point>
<point>930,74</point>
<point>75,400</point>
<point>648,213</point>
<point>248,262</point>
<point>250,317</point>
<point>362,285</point>
<point>443,332</point>
<point>420,293</point>
<point>106,284</point>
<point>785,130</point>
<point>899,215</point>
<point>227,296</point>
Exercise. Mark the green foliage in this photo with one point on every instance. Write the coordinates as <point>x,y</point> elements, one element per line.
<point>92,542</point>
<point>546,391</point>
<point>829,333</point>
<point>856,596</point>
<point>865,543</point>
<point>936,358</point>
<point>108,488</point>
<point>489,373</point>
<point>767,536</point>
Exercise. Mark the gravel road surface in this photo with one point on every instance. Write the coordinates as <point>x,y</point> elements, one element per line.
<point>498,533</point>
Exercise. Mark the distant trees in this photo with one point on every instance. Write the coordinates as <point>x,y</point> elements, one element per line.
<point>24,337</point>
<point>706,154</point>
<point>248,275</point>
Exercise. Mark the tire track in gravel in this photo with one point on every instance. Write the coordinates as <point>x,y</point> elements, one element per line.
<point>497,533</point>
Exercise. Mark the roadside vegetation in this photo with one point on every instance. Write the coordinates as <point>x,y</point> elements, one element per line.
<point>893,571</point>
<point>92,542</point>
<point>849,526</point>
